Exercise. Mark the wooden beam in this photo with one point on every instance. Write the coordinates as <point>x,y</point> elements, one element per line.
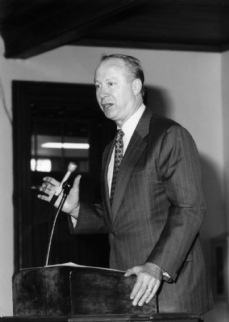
<point>46,25</point>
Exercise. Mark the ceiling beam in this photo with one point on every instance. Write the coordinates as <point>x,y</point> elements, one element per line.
<point>31,30</point>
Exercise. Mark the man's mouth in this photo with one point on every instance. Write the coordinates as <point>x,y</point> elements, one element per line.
<point>106,105</point>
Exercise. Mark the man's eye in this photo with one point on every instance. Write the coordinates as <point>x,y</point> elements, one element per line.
<point>111,84</point>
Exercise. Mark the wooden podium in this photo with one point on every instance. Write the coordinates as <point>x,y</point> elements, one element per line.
<point>80,294</point>
<point>69,290</point>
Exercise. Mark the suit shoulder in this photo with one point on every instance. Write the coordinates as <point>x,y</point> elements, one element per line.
<point>161,126</point>
<point>163,121</point>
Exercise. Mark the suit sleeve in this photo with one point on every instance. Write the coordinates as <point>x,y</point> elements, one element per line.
<point>90,220</point>
<point>180,173</point>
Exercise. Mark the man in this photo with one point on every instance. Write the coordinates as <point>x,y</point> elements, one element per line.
<point>157,204</point>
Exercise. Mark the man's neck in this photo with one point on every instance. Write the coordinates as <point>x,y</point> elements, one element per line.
<point>137,105</point>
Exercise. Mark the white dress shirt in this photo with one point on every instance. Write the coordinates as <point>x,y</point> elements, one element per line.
<point>128,128</point>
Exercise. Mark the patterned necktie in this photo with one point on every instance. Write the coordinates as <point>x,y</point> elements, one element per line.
<point>117,160</point>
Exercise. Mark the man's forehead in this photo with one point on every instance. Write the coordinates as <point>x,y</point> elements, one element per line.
<point>114,64</point>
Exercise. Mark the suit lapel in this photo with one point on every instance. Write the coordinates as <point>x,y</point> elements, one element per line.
<point>135,148</point>
<point>104,189</point>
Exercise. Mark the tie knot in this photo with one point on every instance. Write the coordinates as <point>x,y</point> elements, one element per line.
<point>120,134</point>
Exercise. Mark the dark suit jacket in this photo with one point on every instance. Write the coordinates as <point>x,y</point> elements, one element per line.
<point>157,211</point>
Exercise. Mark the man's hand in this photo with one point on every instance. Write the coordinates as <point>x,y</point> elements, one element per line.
<point>50,186</point>
<point>149,278</point>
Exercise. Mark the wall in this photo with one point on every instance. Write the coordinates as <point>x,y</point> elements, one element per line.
<point>225,104</point>
<point>6,206</point>
<point>185,86</point>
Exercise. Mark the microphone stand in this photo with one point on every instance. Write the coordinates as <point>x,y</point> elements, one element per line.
<point>66,190</point>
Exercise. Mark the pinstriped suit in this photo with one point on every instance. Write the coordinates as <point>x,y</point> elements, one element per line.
<point>157,211</point>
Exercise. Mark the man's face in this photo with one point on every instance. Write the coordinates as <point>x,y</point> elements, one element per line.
<point>114,90</point>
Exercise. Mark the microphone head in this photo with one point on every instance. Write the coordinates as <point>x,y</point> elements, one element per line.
<point>72,166</point>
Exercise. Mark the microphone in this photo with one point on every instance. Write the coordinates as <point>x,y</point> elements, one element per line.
<point>71,168</point>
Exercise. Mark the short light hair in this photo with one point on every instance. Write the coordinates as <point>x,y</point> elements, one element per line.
<point>133,65</point>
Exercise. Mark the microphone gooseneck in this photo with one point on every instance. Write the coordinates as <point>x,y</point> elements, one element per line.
<point>65,187</point>
<point>66,190</point>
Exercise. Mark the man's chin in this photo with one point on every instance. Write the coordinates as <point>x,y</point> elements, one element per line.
<point>109,113</point>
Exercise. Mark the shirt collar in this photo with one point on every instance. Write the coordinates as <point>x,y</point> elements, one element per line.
<point>130,125</point>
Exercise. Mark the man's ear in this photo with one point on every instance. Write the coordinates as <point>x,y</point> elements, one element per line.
<point>137,86</point>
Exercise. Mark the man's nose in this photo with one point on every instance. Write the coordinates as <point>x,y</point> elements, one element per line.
<point>103,93</point>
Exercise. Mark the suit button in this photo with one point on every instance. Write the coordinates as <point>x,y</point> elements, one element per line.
<point>114,233</point>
